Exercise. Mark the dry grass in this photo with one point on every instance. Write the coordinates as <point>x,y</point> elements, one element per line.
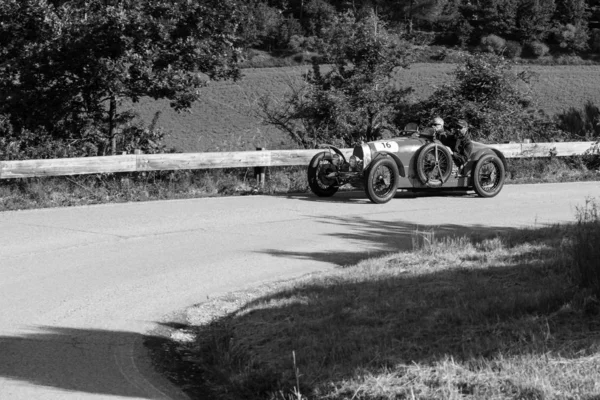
<point>483,317</point>
<point>17,194</point>
<point>225,118</point>
<point>47,192</point>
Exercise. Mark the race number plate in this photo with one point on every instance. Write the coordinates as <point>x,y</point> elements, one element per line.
<point>386,146</point>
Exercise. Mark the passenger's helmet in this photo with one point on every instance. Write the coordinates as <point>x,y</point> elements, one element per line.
<point>463,124</point>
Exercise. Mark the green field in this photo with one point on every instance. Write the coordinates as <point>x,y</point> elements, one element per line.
<point>225,119</point>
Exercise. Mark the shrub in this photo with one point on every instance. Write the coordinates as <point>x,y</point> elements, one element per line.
<point>493,98</point>
<point>513,49</point>
<point>305,57</point>
<point>39,144</point>
<point>299,43</point>
<point>537,49</point>
<point>493,44</point>
<point>595,41</point>
<point>581,123</point>
<point>572,38</point>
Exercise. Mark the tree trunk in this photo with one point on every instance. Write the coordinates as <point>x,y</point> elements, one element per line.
<point>112,110</point>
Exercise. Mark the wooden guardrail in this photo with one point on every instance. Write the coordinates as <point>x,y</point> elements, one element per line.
<point>239,159</point>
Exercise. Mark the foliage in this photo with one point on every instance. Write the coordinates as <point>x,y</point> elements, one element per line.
<point>353,101</point>
<point>534,19</point>
<point>260,23</point>
<point>319,15</point>
<point>595,40</point>
<point>497,17</point>
<point>582,123</point>
<point>513,49</point>
<point>572,38</point>
<point>493,44</point>
<point>64,69</point>
<point>495,100</point>
<point>536,49</point>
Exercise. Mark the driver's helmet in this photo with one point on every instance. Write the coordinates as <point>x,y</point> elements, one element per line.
<point>438,121</point>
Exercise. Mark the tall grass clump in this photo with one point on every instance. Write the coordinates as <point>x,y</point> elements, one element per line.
<point>586,249</point>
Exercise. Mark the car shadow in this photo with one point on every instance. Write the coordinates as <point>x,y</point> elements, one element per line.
<point>358,196</point>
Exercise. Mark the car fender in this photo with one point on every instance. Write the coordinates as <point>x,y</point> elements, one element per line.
<point>335,150</point>
<point>395,158</point>
<point>488,150</point>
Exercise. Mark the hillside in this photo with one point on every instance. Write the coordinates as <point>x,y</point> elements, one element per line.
<point>226,118</point>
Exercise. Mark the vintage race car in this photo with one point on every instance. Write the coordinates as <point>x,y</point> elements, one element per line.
<point>413,161</point>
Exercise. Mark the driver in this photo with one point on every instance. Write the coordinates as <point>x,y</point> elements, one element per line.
<point>438,126</point>
<point>459,143</point>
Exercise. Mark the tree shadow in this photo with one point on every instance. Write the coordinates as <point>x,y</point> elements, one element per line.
<point>339,324</point>
<point>385,236</point>
<point>93,361</point>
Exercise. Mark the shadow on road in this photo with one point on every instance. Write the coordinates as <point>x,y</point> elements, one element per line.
<point>382,237</point>
<point>361,322</point>
<point>359,196</point>
<point>75,360</point>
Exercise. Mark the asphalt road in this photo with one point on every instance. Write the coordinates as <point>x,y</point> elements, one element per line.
<point>80,286</point>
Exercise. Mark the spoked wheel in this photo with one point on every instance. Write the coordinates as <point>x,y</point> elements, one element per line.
<point>319,179</point>
<point>434,164</point>
<point>382,181</point>
<point>488,176</point>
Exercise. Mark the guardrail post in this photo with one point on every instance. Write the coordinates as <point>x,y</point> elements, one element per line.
<point>259,172</point>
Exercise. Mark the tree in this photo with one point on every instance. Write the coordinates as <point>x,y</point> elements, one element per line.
<point>65,69</point>
<point>534,20</point>
<point>492,97</point>
<point>353,101</point>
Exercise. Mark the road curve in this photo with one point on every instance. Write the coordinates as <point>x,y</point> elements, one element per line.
<point>80,286</point>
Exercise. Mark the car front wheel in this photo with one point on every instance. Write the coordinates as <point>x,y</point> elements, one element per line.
<point>488,176</point>
<point>382,181</point>
<point>434,165</point>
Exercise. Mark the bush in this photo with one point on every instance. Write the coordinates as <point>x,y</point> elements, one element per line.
<point>595,41</point>
<point>493,98</point>
<point>513,49</point>
<point>572,38</point>
<point>581,124</point>
<point>537,49</point>
<point>493,44</point>
<point>306,57</point>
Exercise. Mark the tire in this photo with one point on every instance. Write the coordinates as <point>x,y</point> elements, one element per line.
<point>431,172</point>
<point>488,176</point>
<point>382,180</point>
<point>317,172</point>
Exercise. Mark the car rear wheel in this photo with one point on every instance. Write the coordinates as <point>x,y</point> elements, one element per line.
<point>318,172</point>
<point>434,164</point>
<point>488,176</point>
<point>382,180</point>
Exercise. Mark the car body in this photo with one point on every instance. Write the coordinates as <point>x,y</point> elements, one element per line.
<point>413,161</point>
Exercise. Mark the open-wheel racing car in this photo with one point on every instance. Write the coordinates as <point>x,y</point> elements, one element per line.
<point>413,161</point>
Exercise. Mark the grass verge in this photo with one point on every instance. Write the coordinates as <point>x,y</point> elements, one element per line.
<point>28,193</point>
<point>489,316</point>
